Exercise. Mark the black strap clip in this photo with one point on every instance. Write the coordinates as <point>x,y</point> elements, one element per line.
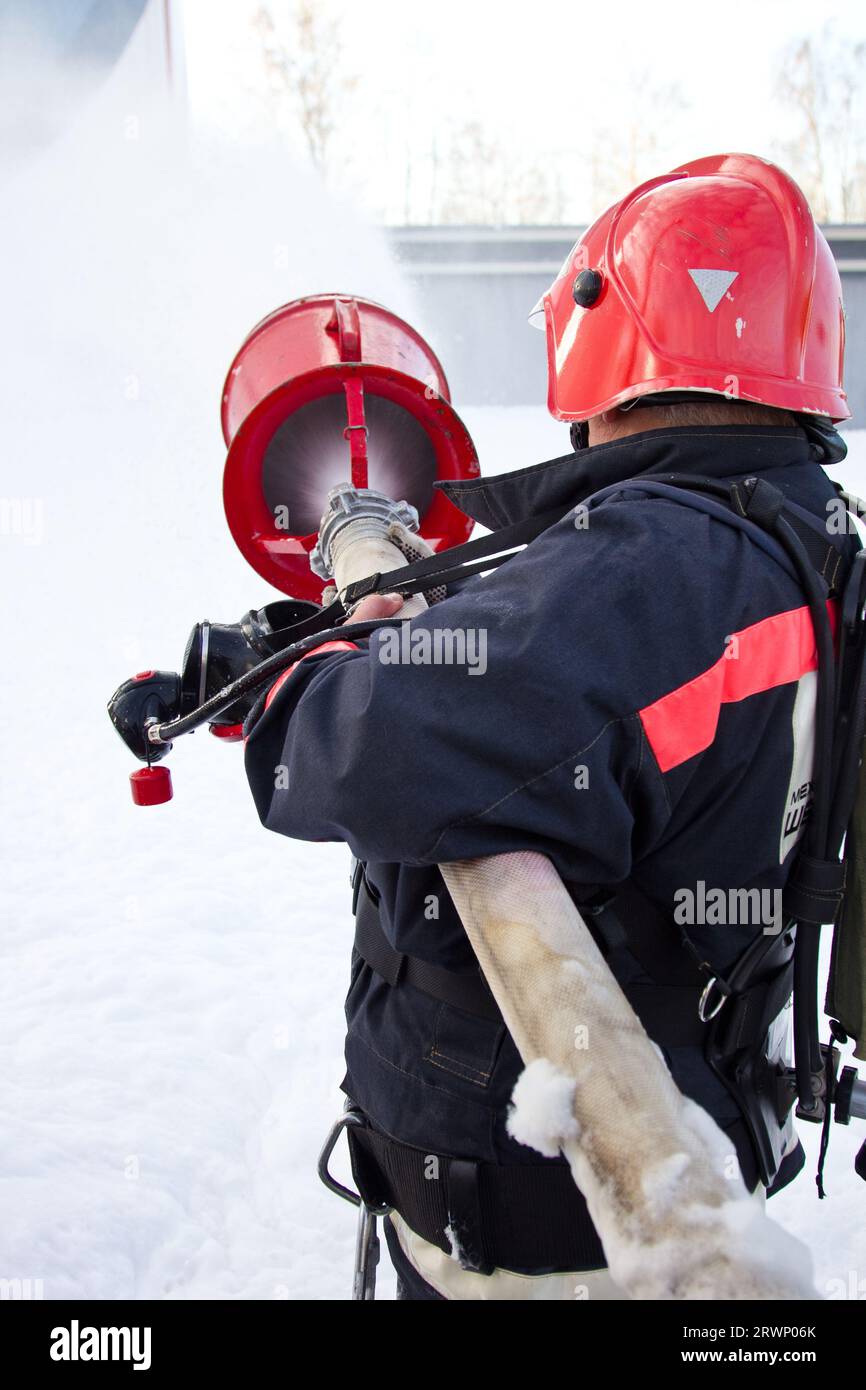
<point>814,891</point>
<point>758,500</point>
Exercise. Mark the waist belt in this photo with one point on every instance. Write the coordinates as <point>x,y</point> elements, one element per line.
<point>529,1218</point>
<point>466,992</point>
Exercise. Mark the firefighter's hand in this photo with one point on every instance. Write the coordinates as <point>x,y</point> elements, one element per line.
<point>376,606</point>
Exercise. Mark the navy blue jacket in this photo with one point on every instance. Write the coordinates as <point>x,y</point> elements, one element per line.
<point>644,714</point>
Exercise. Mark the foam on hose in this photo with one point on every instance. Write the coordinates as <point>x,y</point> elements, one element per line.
<point>658,1175</point>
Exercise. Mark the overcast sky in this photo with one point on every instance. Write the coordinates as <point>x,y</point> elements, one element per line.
<point>546,79</point>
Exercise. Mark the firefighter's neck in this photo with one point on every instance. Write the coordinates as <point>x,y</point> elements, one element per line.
<point>617,423</point>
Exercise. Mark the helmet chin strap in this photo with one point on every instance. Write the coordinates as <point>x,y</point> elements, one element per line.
<point>826,441</point>
<point>579,433</point>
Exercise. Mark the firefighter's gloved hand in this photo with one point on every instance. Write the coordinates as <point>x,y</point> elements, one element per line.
<point>376,606</point>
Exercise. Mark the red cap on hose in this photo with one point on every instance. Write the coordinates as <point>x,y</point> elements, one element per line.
<point>151,786</point>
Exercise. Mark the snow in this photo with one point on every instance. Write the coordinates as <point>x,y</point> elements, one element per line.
<point>736,1235</point>
<point>453,1244</point>
<point>661,1182</point>
<point>542,1110</point>
<point>172,979</point>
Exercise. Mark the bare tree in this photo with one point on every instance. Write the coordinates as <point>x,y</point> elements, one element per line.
<point>470,186</point>
<point>636,148</point>
<point>822,80</point>
<point>484,180</point>
<point>304,65</point>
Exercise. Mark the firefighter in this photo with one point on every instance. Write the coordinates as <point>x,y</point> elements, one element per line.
<point>644,717</point>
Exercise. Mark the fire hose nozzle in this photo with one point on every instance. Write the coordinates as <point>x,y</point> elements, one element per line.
<point>347,504</point>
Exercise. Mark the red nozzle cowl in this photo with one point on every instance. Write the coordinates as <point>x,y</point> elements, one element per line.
<point>329,389</point>
<point>151,786</point>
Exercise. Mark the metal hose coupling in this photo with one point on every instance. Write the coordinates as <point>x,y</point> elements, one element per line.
<point>360,535</point>
<point>369,513</point>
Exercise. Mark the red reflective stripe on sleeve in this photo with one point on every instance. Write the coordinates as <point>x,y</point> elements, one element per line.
<point>765,655</point>
<point>325,647</point>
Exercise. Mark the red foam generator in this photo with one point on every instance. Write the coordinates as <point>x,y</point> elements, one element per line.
<point>329,389</point>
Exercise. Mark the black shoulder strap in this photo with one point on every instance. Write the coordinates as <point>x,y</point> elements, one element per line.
<point>743,504</point>
<point>463,561</point>
<point>760,502</point>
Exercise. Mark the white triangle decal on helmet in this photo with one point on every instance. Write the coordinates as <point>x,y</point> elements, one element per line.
<point>712,284</point>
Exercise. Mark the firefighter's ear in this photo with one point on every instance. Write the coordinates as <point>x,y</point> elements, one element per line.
<point>600,429</point>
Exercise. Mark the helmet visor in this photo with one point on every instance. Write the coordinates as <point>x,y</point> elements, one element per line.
<point>536,314</point>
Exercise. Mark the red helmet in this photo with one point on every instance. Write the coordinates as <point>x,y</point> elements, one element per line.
<point>712,278</point>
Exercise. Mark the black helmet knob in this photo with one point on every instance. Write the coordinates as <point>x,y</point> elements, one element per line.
<point>586,288</point>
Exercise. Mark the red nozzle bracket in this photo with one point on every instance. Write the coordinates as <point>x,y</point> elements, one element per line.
<point>345,324</point>
<point>356,430</point>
